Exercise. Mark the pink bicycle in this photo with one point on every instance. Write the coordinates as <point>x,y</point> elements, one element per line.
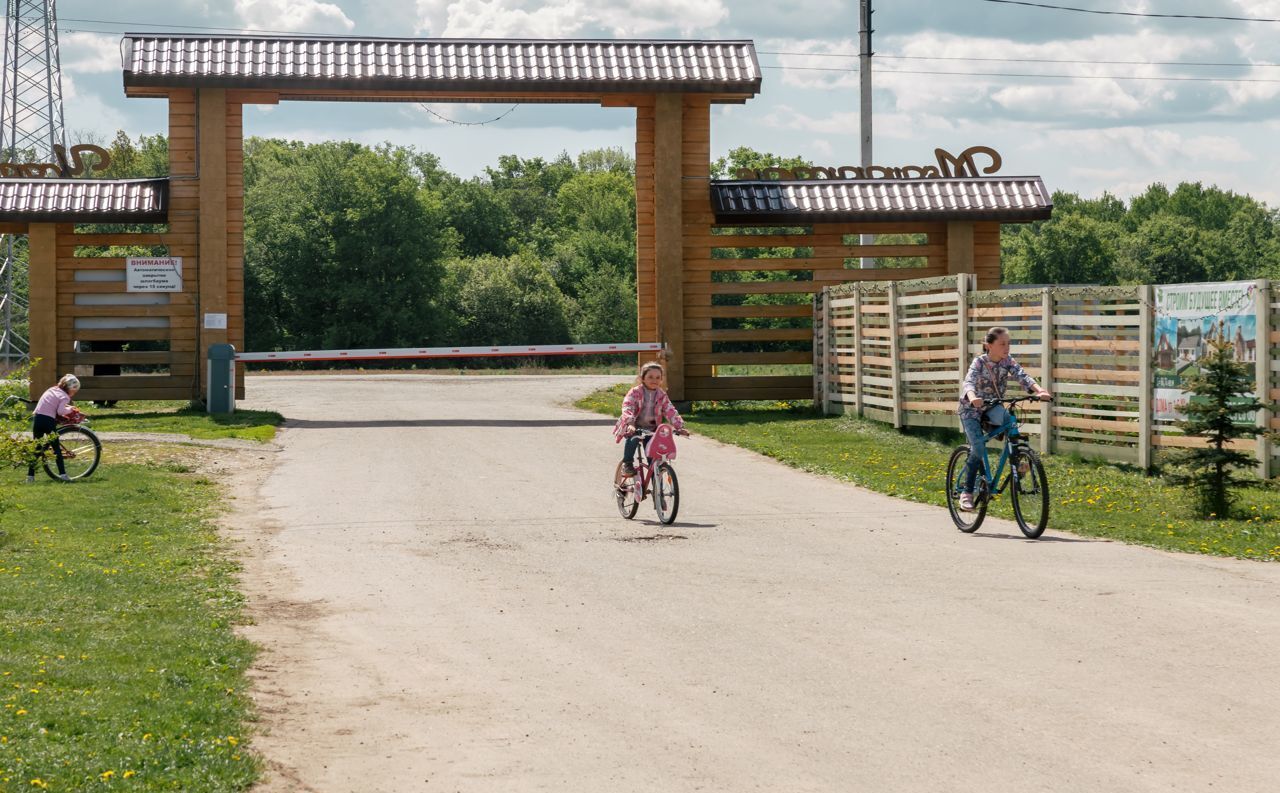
<point>654,473</point>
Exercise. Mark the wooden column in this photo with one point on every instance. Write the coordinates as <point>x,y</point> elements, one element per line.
<point>211,168</point>
<point>1146,383</point>
<point>1262,371</point>
<point>42,299</point>
<point>960,251</point>
<point>1046,368</point>
<point>895,360</point>
<point>857,352</point>
<point>669,235</point>
<point>646,316</point>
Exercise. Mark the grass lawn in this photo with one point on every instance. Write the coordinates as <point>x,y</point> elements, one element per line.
<point>119,667</point>
<point>1088,498</point>
<point>179,417</point>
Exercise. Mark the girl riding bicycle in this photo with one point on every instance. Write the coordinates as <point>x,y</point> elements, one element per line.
<point>986,380</point>
<point>55,402</point>
<point>643,408</point>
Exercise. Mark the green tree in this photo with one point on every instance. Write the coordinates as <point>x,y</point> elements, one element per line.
<point>344,248</point>
<point>746,157</point>
<point>1165,250</point>
<point>1220,395</point>
<point>511,300</point>
<point>1070,249</point>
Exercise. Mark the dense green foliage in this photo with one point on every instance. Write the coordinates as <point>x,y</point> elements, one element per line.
<point>1192,233</point>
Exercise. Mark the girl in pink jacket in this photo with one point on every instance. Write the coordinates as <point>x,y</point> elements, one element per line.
<point>643,408</point>
<point>54,402</point>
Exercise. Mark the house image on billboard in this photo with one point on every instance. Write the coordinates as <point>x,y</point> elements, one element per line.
<point>1166,353</point>
<point>1189,346</point>
<point>1246,350</point>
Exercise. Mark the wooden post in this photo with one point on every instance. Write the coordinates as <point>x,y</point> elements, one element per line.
<point>828,351</point>
<point>821,334</point>
<point>962,310</point>
<point>960,247</point>
<point>1262,371</point>
<point>1046,369</point>
<point>211,169</point>
<point>895,366</point>
<point>669,234</point>
<point>1145,381</point>
<point>857,351</point>
<point>42,305</point>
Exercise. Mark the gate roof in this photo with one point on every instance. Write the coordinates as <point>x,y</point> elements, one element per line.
<point>84,200</point>
<point>1011,199</point>
<point>507,65</point>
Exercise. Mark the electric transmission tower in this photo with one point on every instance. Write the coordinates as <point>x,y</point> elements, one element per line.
<point>31,124</point>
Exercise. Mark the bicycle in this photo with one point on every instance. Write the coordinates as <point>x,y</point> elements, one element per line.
<point>657,451</point>
<point>1030,486</point>
<point>80,446</point>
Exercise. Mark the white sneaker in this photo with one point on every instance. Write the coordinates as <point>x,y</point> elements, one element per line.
<point>31,480</point>
<point>64,478</point>
<point>966,502</point>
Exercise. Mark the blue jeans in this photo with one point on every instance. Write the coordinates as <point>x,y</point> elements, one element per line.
<point>632,444</point>
<point>996,416</point>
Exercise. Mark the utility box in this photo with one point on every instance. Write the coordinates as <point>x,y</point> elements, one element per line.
<point>221,397</point>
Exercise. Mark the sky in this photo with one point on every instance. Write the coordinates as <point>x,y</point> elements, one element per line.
<point>1088,102</point>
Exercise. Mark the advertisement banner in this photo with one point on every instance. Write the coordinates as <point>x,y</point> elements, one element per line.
<point>1188,317</point>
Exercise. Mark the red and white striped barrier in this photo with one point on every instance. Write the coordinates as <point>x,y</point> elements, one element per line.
<point>445,352</point>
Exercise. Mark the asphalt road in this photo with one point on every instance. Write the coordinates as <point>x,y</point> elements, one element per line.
<point>448,600</point>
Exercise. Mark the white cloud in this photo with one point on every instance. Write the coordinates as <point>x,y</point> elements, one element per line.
<point>89,53</point>
<point>1161,148</point>
<point>306,16</point>
<point>566,18</point>
<point>88,111</point>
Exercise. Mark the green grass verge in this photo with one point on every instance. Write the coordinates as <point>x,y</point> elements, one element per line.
<point>180,417</point>
<point>1089,498</point>
<point>118,663</point>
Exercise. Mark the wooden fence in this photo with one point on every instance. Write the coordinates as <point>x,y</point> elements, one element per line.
<point>898,351</point>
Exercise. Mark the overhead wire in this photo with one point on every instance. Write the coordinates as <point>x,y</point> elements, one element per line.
<point>1214,17</point>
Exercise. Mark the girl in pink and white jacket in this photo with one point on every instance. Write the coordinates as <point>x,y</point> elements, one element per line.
<point>643,408</point>
<point>54,402</point>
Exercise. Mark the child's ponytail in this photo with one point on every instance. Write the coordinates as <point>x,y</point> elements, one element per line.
<point>992,335</point>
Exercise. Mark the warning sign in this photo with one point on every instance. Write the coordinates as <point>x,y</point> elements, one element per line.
<point>153,274</point>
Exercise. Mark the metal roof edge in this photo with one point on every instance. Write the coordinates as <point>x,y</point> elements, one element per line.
<point>409,40</point>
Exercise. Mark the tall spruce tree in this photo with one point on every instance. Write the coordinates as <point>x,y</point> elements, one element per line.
<point>1220,394</point>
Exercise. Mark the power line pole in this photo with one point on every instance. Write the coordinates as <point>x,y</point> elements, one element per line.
<point>31,124</point>
<point>864,74</point>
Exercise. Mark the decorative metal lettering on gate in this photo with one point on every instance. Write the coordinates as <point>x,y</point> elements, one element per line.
<point>64,168</point>
<point>949,165</point>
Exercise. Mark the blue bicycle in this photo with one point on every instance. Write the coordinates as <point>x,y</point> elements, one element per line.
<point>1026,482</point>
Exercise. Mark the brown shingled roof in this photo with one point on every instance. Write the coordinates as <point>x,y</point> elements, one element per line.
<point>1014,199</point>
<point>550,65</point>
<point>84,200</point>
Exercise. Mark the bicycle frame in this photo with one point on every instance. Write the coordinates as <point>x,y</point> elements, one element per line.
<point>1010,429</point>
<point>647,471</point>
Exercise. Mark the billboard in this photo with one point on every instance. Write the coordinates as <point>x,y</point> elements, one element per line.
<point>1188,317</point>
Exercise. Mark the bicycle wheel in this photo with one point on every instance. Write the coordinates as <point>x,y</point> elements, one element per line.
<point>81,452</point>
<point>1030,493</point>
<point>624,493</point>
<point>967,522</point>
<point>666,493</point>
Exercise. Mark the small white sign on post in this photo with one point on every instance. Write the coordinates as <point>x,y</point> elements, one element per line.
<point>153,273</point>
<point>215,321</point>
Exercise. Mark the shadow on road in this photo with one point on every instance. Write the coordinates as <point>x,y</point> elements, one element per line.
<point>311,424</point>
<point>1043,538</point>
